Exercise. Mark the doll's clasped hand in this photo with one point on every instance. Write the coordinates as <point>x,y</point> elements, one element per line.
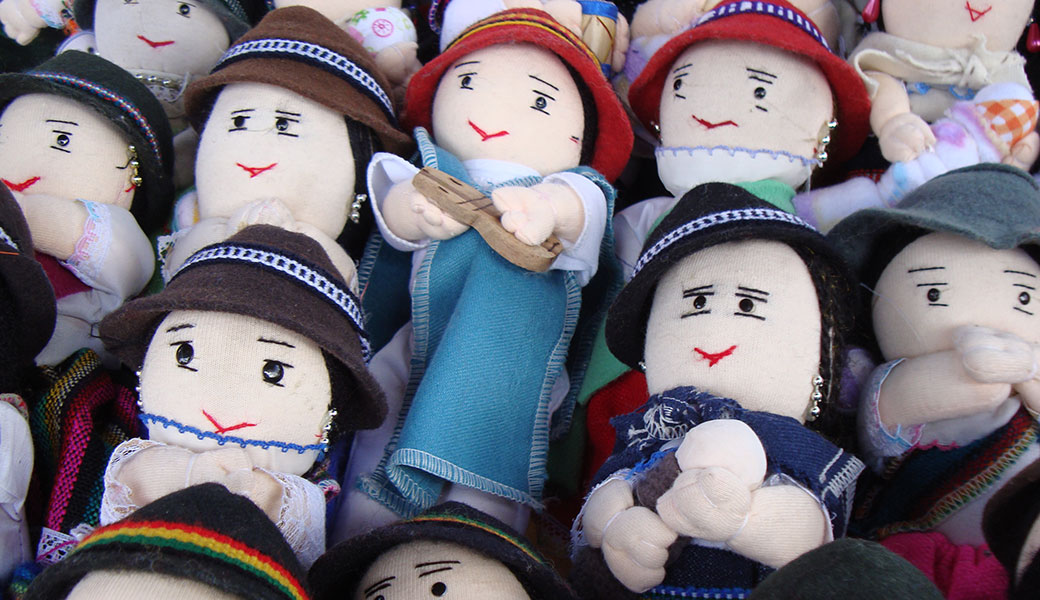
<point>20,20</point>
<point>635,548</point>
<point>710,504</point>
<point>992,356</point>
<point>533,213</point>
<point>904,136</point>
<point>268,211</point>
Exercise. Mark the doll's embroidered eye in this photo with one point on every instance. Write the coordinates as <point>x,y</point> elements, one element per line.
<point>184,10</point>
<point>61,140</point>
<point>934,295</point>
<point>465,81</point>
<point>699,302</point>
<point>438,589</point>
<point>749,299</point>
<point>184,355</point>
<point>540,103</point>
<point>760,92</point>
<point>1023,298</point>
<point>747,305</point>
<point>281,124</point>
<point>677,85</point>
<point>274,371</point>
<point>238,122</point>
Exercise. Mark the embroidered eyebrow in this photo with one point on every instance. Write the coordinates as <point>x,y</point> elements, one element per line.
<point>447,566</point>
<point>919,269</point>
<point>686,66</point>
<point>1022,285</point>
<point>279,342</point>
<point>179,327</point>
<point>285,112</point>
<point>242,110</point>
<point>933,283</point>
<point>704,290</point>
<point>1013,272</point>
<point>468,62</point>
<point>760,75</point>
<point>752,290</point>
<point>382,584</point>
<point>73,123</point>
<point>540,93</point>
<point>545,82</point>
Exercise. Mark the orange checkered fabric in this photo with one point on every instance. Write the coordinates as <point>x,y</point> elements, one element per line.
<point>1010,120</point>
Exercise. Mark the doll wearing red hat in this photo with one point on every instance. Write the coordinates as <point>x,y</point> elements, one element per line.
<point>520,109</point>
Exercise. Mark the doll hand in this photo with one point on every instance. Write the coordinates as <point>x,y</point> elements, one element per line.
<point>432,221</point>
<point>269,211</point>
<point>20,20</point>
<point>635,547</point>
<point>711,504</point>
<point>216,465</point>
<point>904,136</point>
<point>604,503</point>
<point>1024,153</point>
<point>726,443</point>
<point>992,356</point>
<point>668,17</point>
<point>526,213</point>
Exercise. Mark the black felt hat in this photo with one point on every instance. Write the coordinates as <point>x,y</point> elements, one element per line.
<point>123,101</point>
<point>272,274</point>
<point>338,573</point>
<point>204,533</point>
<point>708,215</point>
<point>31,311</point>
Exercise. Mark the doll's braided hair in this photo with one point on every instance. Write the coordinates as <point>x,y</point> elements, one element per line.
<point>363,145</point>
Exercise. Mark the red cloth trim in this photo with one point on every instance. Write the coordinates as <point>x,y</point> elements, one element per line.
<point>64,282</point>
<point>621,396</point>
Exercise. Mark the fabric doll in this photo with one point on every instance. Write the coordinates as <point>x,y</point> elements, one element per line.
<point>26,322</point>
<point>743,95</point>
<point>948,418</point>
<point>987,128</point>
<point>450,550</point>
<point>289,119</point>
<point>736,309</point>
<point>931,54</point>
<point>1010,526</point>
<point>520,110</point>
<point>251,360</point>
<point>200,542</point>
<point>86,150</point>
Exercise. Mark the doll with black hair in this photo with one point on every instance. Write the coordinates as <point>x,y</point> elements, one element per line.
<point>949,417</point>
<point>736,463</point>
<point>251,361</point>
<point>286,135</point>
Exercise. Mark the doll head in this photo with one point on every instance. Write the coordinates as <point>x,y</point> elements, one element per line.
<point>27,321</point>
<point>738,299</point>
<point>959,250</point>
<point>451,550</point>
<point>758,81</point>
<point>179,37</point>
<point>297,124</point>
<point>269,341</point>
<point>200,542</point>
<point>952,24</point>
<point>75,127</point>
<point>519,86</point>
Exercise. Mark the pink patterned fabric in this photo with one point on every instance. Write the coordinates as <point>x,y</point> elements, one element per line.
<point>961,572</point>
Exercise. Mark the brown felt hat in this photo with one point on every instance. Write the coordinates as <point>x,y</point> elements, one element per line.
<point>302,51</point>
<point>266,272</point>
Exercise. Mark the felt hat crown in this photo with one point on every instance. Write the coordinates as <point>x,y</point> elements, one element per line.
<point>775,23</point>
<point>339,571</point>
<point>299,49</point>
<point>122,100</point>
<point>995,204</point>
<point>237,16</point>
<point>708,215</point>
<point>613,141</point>
<point>278,276</point>
<point>32,308</point>
<point>204,533</point>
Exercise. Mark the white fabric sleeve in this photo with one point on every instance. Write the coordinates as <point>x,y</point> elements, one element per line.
<point>116,500</point>
<point>384,171</point>
<point>633,225</point>
<point>113,255</point>
<point>301,518</point>
<point>582,257</point>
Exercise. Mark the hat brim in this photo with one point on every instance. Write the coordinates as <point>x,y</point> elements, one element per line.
<point>33,309</point>
<point>852,104</point>
<point>614,138</point>
<point>339,571</point>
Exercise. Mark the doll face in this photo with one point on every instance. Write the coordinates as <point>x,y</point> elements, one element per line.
<point>942,281</point>
<point>740,94</point>
<point>515,103</point>
<point>171,36</point>
<point>953,23</point>
<point>262,141</point>
<point>428,569</point>
<point>236,376</point>
<point>134,585</point>
<point>56,146</point>
<point>740,320</point>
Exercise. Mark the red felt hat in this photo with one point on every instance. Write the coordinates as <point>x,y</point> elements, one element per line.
<point>778,24</point>
<point>613,143</point>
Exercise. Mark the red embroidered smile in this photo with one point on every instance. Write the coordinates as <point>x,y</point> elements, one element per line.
<point>20,187</point>
<point>485,136</point>
<point>154,44</point>
<point>709,125</point>
<point>222,429</point>
<point>254,171</point>
<point>715,357</point>
<point>975,13</point>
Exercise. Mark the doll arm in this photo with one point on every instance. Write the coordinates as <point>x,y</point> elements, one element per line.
<point>339,257</point>
<point>23,19</point>
<point>405,217</point>
<point>1024,153</point>
<point>784,522</point>
<point>901,134</point>
<point>296,506</point>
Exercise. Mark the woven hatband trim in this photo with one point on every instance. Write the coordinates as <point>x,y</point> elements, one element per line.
<point>289,268</point>
<point>511,18</point>
<point>758,7</point>
<point>206,543</point>
<point>713,220</point>
<point>316,55</point>
<point>450,518</point>
<point>125,105</point>
<point>7,240</point>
